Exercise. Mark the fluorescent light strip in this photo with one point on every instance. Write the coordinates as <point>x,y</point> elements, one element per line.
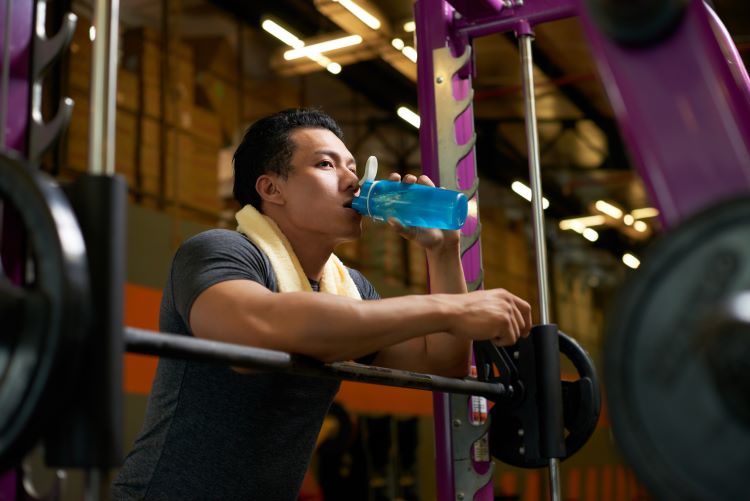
<point>582,222</point>
<point>590,235</point>
<point>282,34</point>
<point>525,192</point>
<point>397,43</point>
<point>628,219</point>
<point>640,226</point>
<point>364,16</point>
<point>410,26</point>
<point>410,52</point>
<point>408,115</point>
<point>334,68</point>
<point>608,209</point>
<point>644,213</point>
<point>631,261</point>
<point>319,48</point>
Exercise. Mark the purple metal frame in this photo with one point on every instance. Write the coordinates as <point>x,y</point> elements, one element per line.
<point>16,138</point>
<point>683,106</point>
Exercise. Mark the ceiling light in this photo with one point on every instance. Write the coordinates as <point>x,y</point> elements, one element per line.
<point>631,261</point>
<point>398,43</point>
<point>628,219</point>
<point>92,33</point>
<point>361,13</point>
<point>640,226</point>
<point>590,235</point>
<point>282,34</point>
<point>334,68</point>
<point>410,26</point>
<point>644,213</point>
<point>410,53</point>
<point>409,116</point>
<point>581,222</point>
<point>525,192</point>
<point>318,48</point>
<point>608,209</point>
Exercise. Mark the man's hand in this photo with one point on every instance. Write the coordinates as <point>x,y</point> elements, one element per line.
<point>495,315</point>
<point>428,238</point>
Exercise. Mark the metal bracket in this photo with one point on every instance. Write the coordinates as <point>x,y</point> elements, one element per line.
<point>466,480</point>
<point>45,51</point>
<point>447,110</point>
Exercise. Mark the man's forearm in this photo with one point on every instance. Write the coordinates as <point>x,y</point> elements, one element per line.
<point>332,328</point>
<point>446,276</point>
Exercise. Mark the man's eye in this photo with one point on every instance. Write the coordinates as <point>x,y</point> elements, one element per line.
<point>325,163</point>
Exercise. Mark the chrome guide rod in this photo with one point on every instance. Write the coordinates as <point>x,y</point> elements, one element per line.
<point>537,203</point>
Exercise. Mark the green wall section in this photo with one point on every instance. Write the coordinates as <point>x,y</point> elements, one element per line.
<point>153,237</point>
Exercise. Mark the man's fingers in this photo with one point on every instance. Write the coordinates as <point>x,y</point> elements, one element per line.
<point>394,176</point>
<point>425,180</point>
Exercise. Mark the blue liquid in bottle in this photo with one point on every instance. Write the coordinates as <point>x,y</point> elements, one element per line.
<point>412,204</point>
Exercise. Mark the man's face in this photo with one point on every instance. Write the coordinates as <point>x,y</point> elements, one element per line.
<point>321,185</point>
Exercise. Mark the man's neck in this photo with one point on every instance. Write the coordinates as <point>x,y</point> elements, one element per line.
<point>312,255</point>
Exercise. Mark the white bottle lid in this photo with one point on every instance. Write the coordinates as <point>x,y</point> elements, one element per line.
<point>371,170</point>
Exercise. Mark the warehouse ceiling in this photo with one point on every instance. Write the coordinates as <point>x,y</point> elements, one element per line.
<point>583,157</point>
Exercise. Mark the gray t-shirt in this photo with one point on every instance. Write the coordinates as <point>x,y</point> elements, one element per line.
<point>211,432</point>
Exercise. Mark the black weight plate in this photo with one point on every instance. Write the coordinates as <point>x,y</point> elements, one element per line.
<point>581,408</point>
<point>666,410</point>
<point>43,321</point>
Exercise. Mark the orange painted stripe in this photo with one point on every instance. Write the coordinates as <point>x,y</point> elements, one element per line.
<point>607,483</point>
<point>370,397</point>
<point>508,484</point>
<point>591,484</point>
<point>142,311</point>
<point>532,488</point>
<point>620,484</point>
<point>574,484</point>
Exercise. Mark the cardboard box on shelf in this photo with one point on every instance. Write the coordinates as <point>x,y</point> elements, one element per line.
<point>206,126</point>
<point>216,56</point>
<point>223,99</point>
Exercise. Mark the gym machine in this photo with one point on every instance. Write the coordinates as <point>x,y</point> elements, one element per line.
<point>676,342</point>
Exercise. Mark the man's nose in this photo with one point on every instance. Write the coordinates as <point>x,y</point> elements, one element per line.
<point>350,179</point>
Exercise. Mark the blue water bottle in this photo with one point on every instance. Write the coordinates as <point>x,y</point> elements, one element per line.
<point>412,204</point>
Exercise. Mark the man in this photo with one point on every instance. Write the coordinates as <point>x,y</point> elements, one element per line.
<point>212,432</point>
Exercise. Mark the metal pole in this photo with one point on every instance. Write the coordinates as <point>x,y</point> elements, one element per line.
<point>103,87</point>
<point>111,110</point>
<point>173,345</point>
<point>6,72</point>
<point>532,139</point>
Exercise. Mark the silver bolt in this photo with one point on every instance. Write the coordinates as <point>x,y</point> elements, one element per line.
<point>440,80</point>
<point>520,432</point>
<point>507,3</point>
<point>519,3</point>
<point>460,496</point>
<point>522,450</point>
<point>516,355</point>
<point>456,423</point>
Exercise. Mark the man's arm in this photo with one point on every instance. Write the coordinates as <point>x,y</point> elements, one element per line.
<point>439,352</point>
<point>333,328</point>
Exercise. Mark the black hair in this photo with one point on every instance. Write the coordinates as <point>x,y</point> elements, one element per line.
<point>268,148</point>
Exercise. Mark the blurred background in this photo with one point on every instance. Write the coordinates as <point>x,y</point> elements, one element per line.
<point>193,74</point>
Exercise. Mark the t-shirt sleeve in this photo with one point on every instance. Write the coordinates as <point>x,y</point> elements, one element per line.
<point>210,258</point>
<point>366,289</point>
<point>368,293</point>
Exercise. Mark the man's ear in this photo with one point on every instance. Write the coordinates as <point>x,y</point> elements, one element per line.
<point>269,189</point>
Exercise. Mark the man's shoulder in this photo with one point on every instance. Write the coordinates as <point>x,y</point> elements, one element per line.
<point>366,289</point>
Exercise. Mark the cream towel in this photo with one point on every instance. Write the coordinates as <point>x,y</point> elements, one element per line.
<point>290,277</point>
